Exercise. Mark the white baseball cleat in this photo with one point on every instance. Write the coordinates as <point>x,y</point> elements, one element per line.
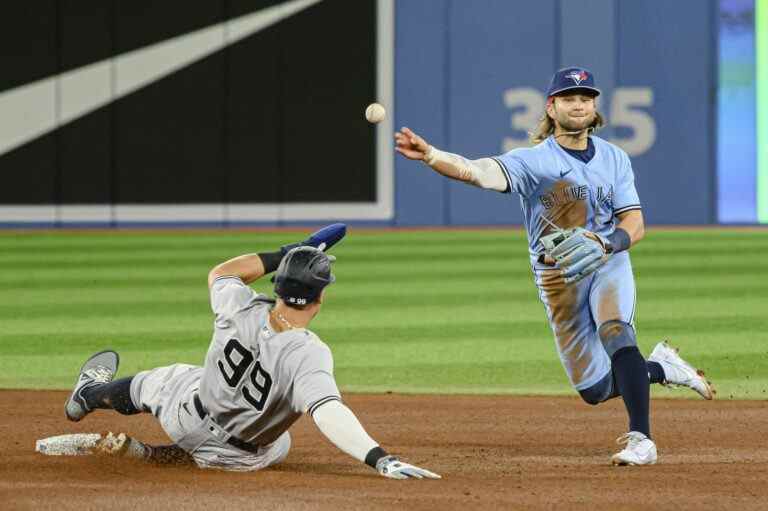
<point>640,450</point>
<point>98,369</point>
<point>679,372</point>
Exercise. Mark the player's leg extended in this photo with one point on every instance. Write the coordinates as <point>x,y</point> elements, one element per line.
<point>584,357</point>
<point>163,391</point>
<point>115,395</point>
<point>95,389</point>
<point>567,306</point>
<point>613,299</point>
<point>612,302</point>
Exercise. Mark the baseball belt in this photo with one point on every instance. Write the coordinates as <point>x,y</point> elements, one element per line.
<point>233,441</point>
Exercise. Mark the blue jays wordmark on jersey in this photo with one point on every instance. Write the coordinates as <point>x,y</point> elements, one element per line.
<point>569,192</point>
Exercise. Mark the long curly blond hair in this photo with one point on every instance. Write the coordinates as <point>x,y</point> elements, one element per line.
<point>546,127</point>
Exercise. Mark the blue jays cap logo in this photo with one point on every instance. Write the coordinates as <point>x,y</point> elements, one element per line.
<point>578,76</point>
<point>575,79</point>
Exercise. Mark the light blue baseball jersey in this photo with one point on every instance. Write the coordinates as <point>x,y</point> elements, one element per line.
<point>569,192</point>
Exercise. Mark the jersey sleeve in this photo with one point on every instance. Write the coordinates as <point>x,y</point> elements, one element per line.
<point>230,295</point>
<point>625,196</point>
<point>517,172</point>
<point>313,381</point>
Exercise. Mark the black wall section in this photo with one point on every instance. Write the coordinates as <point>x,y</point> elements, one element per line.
<point>329,79</point>
<point>85,151</point>
<point>168,135</point>
<point>274,118</point>
<point>253,115</point>
<point>28,41</point>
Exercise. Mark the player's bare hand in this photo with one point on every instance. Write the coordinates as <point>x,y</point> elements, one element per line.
<point>122,445</point>
<point>113,445</point>
<point>410,145</point>
<point>392,467</point>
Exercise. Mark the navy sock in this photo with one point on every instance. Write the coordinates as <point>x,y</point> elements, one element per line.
<point>655,372</point>
<point>631,374</point>
<point>114,395</point>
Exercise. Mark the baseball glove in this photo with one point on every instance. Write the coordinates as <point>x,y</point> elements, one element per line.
<point>577,252</point>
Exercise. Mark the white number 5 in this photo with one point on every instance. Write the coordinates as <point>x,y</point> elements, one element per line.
<point>625,113</point>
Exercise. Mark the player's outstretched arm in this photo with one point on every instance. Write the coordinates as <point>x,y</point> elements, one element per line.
<point>341,427</point>
<point>484,172</point>
<point>250,267</point>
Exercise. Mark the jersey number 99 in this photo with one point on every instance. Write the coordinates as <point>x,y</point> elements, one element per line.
<point>260,381</point>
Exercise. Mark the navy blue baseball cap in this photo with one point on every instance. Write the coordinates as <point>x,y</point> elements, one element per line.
<point>572,79</point>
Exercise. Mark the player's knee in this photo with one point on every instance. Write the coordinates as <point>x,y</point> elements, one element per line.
<point>612,329</point>
<point>599,392</point>
<point>615,335</point>
<point>589,397</point>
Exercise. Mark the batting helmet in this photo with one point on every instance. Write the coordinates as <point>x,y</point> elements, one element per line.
<point>302,275</point>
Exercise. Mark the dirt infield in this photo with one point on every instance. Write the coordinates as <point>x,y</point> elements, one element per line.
<point>493,453</point>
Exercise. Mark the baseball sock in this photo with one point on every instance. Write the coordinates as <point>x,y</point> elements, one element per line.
<point>655,372</point>
<point>631,373</point>
<point>115,395</point>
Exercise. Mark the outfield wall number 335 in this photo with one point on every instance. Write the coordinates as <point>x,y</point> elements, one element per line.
<point>626,111</point>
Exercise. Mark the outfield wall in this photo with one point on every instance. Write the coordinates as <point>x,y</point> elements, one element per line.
<point>471,81</point>
<point>220,111</point>
<point>232,112</point>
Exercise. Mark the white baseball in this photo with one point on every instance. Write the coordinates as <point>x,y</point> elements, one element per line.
<point>375,113</point>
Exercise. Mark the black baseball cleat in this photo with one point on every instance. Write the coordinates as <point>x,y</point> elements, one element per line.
<point>97,370</point>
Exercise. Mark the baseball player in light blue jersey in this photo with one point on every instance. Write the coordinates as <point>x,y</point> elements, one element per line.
<point>263,370</point>
<point>582,214</point>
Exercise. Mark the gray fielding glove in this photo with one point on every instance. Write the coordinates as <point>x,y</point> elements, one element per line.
<point>576,252</point>
<point>392,467</point>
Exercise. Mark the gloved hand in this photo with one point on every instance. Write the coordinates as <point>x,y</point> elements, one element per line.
<point>392,467</point>
<point>323,239</point>
<point>577,252</point>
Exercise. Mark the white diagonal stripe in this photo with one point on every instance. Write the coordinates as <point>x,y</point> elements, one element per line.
<point>31,110</point>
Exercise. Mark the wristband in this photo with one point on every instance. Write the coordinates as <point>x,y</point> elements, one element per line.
<point>619,240</point>
<point>374,455</point>
<point>271,260</point>
<point>429,156</point>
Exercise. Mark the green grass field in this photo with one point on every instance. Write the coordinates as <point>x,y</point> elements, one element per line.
<point>412,311</point>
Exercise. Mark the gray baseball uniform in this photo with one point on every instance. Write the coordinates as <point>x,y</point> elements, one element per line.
<point>235,411</point>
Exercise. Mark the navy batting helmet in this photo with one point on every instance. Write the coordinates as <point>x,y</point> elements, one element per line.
<point>302,275</point>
